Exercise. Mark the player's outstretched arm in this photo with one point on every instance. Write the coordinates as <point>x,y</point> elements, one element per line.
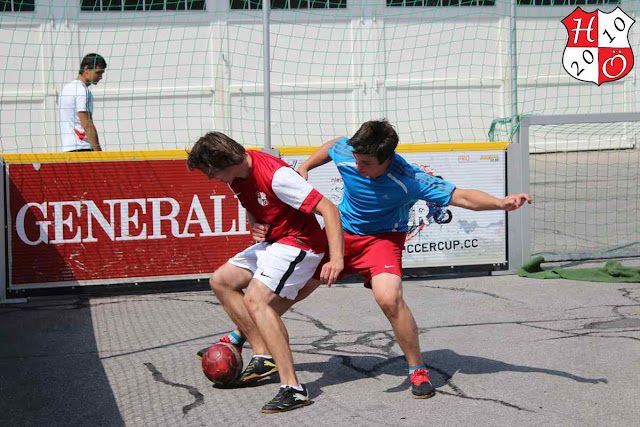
<point>476,200</point>
<point>333,227</point>
<point>514,201</point>
<point>318,158</point>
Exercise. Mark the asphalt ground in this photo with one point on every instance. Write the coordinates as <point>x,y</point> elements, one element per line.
<point>503,351</point>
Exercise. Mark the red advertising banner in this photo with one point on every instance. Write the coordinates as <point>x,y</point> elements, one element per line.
<point>98,222</point>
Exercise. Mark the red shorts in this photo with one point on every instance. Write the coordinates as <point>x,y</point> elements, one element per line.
<point>370,255</point>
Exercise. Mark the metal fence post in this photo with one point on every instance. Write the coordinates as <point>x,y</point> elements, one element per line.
<point>266,9</point>
<point>518,221</point>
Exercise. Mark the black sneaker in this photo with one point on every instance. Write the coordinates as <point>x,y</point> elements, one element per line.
<point>421,386</point>
<point>258,367</point>
<point>201,352</point>
<point>288,398</point>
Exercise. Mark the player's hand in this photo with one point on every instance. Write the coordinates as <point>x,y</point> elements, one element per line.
<point>302,171</point>
<point>514,201</point>
<point>330,271</point>
<point>259,231</point>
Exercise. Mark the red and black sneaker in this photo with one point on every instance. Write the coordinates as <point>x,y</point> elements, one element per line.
<point>421,386</point>
<point>225,338</point>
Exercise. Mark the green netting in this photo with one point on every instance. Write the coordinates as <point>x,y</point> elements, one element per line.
<point>587,200</point>
<point>439,70</point>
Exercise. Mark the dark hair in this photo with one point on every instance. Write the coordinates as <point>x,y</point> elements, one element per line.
<point>93,60</point>
<point>215,150</point>
<point>375,138</point>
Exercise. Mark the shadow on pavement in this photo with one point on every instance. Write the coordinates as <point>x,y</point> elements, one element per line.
<point>443,365</point>
<point>50,369</point>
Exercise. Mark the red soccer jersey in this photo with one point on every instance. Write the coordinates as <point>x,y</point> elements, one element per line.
<point>276,195</point>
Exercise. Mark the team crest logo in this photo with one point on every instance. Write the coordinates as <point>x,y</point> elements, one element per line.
<point>598,48</point>
<point>262,198</point>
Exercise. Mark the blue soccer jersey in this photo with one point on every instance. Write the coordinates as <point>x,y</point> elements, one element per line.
<point>382,205</point>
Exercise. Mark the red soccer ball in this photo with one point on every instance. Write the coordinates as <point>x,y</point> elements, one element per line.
<point>222,363</point>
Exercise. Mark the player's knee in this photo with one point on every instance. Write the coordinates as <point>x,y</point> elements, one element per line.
<point>217,282</point>
<point>390,304</point>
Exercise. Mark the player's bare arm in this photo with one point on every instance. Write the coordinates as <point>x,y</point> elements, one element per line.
<point>86,119</point>
<point>318,158</point>
<point>333,228</point>
<point>259,230</point>
<point>476,200</point>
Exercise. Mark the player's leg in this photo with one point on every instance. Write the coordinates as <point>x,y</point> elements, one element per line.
<point>387,290</point>
<point>379,259</point>
<point>281,305</point>
<point>260,301</point>
<point>262,363</point>
<point>228,283</point>
<point>282,271</point>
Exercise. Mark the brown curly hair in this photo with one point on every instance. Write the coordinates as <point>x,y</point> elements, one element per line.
<point>215,150</point>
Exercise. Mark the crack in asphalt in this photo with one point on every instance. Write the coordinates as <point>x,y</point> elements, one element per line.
<point>471,291</point>
<point>621,321</point>
<point>199,397</point>
<point>381,343</point>
<point>370,339</point>
<point>486,399</point>
<point>626,293</point>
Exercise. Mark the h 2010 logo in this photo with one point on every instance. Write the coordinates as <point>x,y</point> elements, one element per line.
<point>598,48</point>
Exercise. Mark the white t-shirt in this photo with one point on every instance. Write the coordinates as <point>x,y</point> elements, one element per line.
<point>74,97</point>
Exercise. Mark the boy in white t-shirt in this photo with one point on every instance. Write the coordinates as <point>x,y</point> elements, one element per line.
<point>77,130</point>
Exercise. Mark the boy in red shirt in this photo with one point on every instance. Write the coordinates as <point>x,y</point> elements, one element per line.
<point>273,270</point>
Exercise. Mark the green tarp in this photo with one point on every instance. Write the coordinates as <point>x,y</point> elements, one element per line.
<point>613,271</point>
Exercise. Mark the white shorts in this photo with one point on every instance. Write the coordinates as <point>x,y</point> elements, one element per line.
<point>283,269</point>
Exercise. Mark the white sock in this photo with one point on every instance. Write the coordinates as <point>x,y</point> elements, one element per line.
<point>295,387</point>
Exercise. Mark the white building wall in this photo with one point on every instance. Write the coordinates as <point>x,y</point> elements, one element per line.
<point>438,74</point>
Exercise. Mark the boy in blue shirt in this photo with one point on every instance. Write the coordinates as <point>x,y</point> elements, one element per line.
<point>380,188</point>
